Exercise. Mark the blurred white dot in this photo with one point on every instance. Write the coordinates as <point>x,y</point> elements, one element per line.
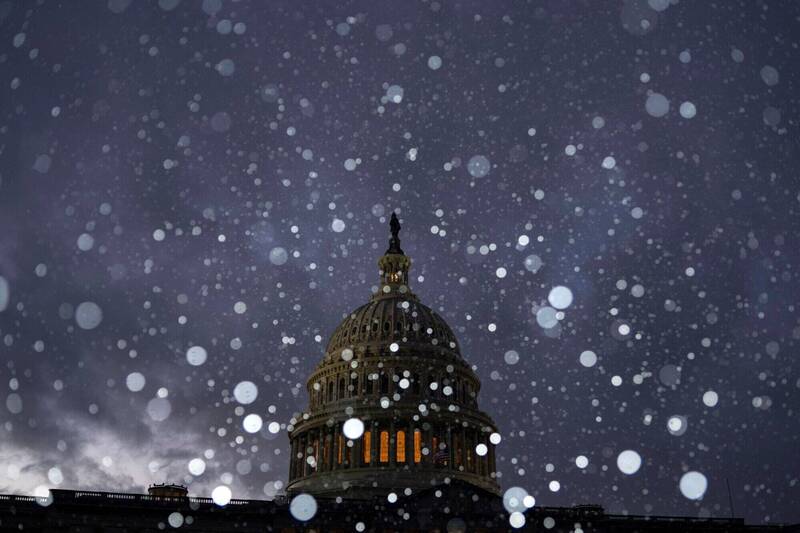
<point>245,392</point>
<point>196,355</point>
<point>516,520</point>
<point>252,423</point>
<point>337,225</point>
<point>629,462</point>
<point>221,495</point>
<point>588,358</point>
<point>560,297</point>
<point>710,398</point>
<point>197,466</point>
<point>135,381</point>
<point>693,485</point>
<point>353,428</point>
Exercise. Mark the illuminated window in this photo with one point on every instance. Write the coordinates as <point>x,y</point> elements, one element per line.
<point>340,449</point>
<point>417,446</point>
<point>401,446</point>
<point>384,446</point>
<point>367,443</point>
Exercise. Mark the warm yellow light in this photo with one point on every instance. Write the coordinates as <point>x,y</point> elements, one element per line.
<point>367,443</point>
<point>401,446</point>
<point>384,447</point>
<point>417,446</point>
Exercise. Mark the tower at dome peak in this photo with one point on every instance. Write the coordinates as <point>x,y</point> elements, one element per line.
<point>394,265</point>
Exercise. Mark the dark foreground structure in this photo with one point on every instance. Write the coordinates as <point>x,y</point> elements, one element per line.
<point>457,507</point>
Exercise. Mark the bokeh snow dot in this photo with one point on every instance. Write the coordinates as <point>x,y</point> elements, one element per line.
<point>88,315</point>
<point>135,381</point>
<point>5,293</point>
<point>688,110</point>
<point>478,166</point>
<point>546,317</point>
<point>434,62</point>
<point>196,355</point>
<point>657,105</point>
<point>252,423</point>
<point>588,358</point>
<point>693,485</point>
<point>629,462</point>
<point>303,507</point>
<point>338,225</point>
<point>278,256</point>
<point>511,357</point>
<point>245,392</point>
<point>560,297</point>
<point>710,398</point>
<point>353,428</point>
<point>221,495</point>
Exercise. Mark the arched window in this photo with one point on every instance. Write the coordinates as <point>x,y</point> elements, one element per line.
<point>401,447</point>
<point>417,446</point>
<point>384,454</point>
<point>341,389</point>
<point>384,383</point>
<point>330,391</point>
<point>415,384</point>
<point>340,448</point>
<point>354,383</point>
<point>368,385</point>
<point>367,444</point>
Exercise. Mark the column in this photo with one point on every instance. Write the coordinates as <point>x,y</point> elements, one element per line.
<point>292,458</point>
<point>411,438</point>
<point>392,445</point>
<point>466,448</point>
<point>428,441</point>
<point>451,452</point>
<point>329,439</point>
<point>318,452</point>
<point>357,454</point>
<point>373,444</point>
<point>334,449</point>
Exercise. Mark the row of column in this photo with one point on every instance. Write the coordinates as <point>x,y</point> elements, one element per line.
<point>328,447</point>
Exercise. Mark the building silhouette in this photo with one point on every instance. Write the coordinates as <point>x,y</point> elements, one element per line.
<point>394,366</point>
<point>393,440</point>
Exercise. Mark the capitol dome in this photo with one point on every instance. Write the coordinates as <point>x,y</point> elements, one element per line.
<point>392,370</point>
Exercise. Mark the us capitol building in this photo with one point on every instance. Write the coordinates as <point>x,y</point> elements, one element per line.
<point>394,365</point>
<point>393,440</point>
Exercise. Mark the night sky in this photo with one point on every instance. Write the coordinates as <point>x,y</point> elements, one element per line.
<point>219,174</point>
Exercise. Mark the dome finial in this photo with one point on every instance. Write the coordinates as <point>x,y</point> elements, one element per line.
<point>394,242</point>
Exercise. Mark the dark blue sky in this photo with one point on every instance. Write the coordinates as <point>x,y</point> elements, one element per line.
<point>220,174</point>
